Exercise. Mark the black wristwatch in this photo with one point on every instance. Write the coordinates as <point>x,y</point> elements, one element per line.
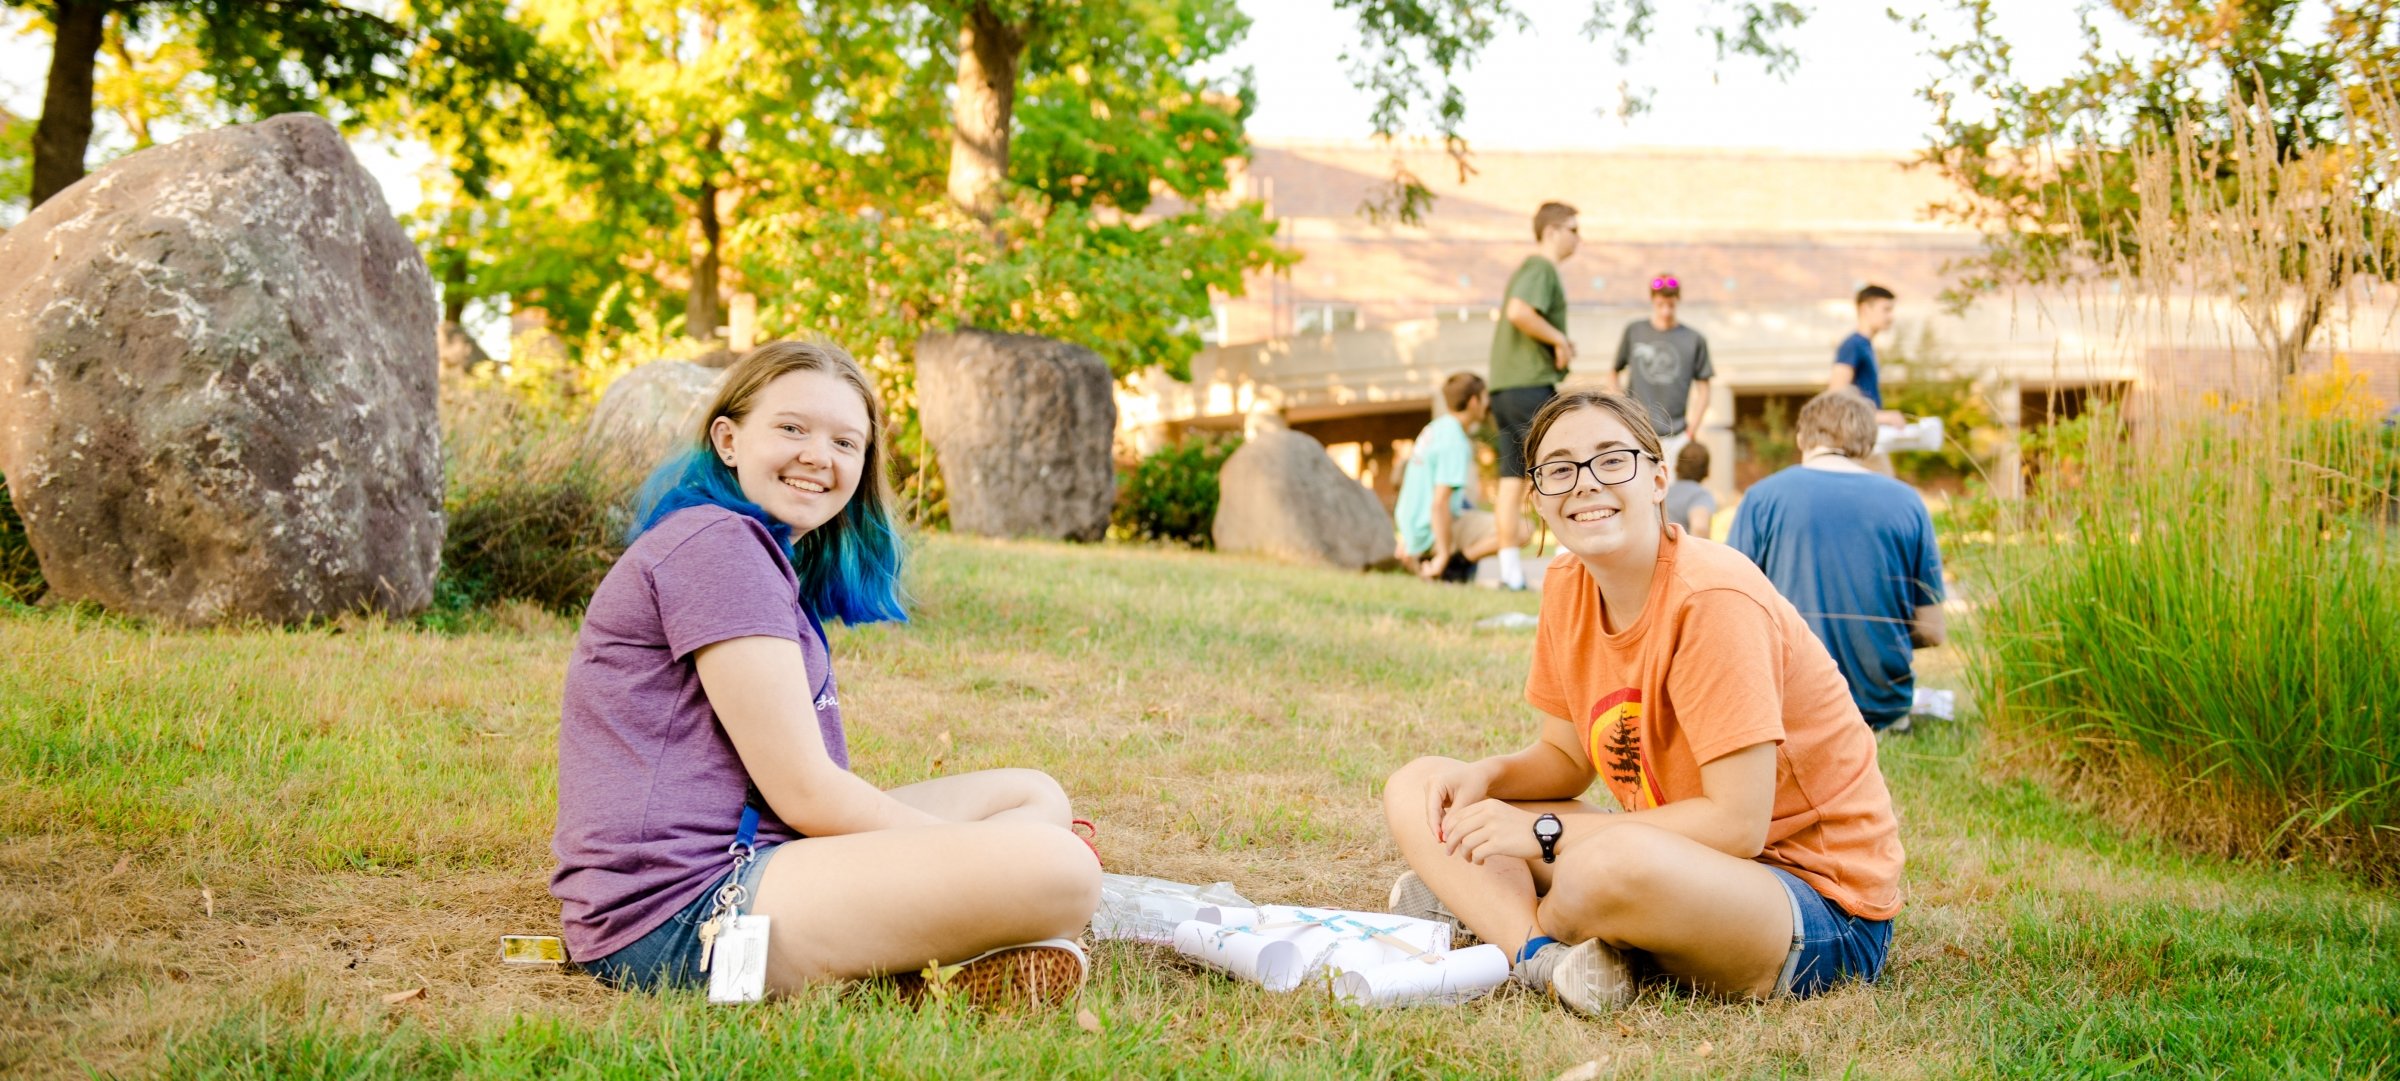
<point>1546,831</point>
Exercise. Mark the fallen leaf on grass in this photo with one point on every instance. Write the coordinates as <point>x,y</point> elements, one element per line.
<point>398,997</point>
<point>1704,1048</point>
<point>1624,1030</point>
<point>123,862</point>
<point>208,902</point>
<point>1587,1071</point>
<point>1086,1020</point>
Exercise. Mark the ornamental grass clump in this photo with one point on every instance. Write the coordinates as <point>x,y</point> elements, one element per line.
<point>2198,620</point>
<point>536,513</point>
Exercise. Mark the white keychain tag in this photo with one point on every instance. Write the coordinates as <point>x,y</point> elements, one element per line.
<point>738,971</point>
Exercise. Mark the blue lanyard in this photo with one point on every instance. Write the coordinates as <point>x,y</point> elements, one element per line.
<point>746,838</point>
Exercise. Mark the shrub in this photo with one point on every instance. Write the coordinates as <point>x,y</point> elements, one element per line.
<point>1769,441</point>
<point>1172,494</point>
<point>1925,383</point>
<point>20,574</point>
<point>535,514</point>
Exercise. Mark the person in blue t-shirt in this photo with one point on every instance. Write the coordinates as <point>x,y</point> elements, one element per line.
<point>1853,551</point>
<point>1854,359</point>
<point>1441,535</point>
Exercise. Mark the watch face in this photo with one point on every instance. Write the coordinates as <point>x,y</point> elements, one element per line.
<point>1547,827</point>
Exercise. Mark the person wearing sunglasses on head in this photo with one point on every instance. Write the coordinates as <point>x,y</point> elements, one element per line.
<point>1757,854</point>
<point>1668,365</point>
<point>1530,354</point>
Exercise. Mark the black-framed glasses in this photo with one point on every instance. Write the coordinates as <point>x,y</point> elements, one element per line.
<point>1609,467</point>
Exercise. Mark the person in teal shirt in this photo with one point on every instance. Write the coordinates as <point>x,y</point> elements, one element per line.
<point>1441,534</point>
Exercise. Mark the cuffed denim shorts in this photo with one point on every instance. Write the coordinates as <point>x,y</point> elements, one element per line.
<point>669,956</point>
<point>1829,945</point>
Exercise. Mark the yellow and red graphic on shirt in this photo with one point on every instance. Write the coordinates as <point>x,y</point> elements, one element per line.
<point>1613,739</point>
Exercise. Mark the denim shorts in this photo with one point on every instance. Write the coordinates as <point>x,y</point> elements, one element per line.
<point>669,956</point>
<point>1829,945</point>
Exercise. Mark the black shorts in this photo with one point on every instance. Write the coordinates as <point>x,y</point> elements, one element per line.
<point>1512,412</point>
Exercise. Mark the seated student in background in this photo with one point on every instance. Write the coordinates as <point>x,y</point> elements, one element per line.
<point>1853,551</point>
<point>701,688</point>
<point>1688,503</point>
<point>1440,535</point>
<point>1855,366</point>
<point>1758,853</point>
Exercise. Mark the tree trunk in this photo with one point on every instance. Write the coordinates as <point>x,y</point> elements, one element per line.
<point>704,312</point>
<point>65,131</point>
<point>988,51</point>
<point>2294,346</point>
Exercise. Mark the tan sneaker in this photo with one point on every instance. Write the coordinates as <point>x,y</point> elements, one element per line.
<point>1045,973</point>
<point>1413,898</point>
<point>1591,977</point>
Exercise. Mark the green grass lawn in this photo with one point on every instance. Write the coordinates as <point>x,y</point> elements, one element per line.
<point>219,852</point>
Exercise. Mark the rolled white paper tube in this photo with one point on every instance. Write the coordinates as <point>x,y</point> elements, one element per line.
<point>1457,977</point>
<point>1266,962</point>
<point>1226,915</point>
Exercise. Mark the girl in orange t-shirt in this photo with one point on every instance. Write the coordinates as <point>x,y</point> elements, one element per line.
<point>1758,854</point>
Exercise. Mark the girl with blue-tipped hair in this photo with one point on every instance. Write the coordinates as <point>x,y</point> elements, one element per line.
<point>703,771</point>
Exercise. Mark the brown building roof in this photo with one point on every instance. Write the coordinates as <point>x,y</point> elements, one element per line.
<point>1735,227</point>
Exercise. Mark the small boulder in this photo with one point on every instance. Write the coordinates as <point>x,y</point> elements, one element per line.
<point>461,354</point>
<point>218,384</point>
<point>1023,427</point>
<point>1281,495</point>
<point>653,409</point>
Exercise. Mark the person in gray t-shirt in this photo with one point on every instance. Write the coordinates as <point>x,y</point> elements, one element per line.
<point>1669,365</point>
<point>1688,503</point>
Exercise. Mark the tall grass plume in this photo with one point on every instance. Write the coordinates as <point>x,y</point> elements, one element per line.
<point>2198,621</point>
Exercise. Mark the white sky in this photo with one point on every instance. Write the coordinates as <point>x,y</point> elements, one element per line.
<point>1549,86</point>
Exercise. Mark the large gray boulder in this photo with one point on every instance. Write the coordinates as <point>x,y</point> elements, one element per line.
<point>653,409</point>
<point>218,384</point>
<point>1281,495</point>
<point>1022,426</point>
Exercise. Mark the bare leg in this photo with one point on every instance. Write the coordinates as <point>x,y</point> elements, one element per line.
<point>1499,900</point>
<point>992,795</point>
<point>894,901</point>
<point>1717,922</point>
<point>1508,512</point>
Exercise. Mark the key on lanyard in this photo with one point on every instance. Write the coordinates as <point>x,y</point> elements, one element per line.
<point>731,895</point>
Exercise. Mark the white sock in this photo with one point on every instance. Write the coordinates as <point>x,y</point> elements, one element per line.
<point>1512,569</point>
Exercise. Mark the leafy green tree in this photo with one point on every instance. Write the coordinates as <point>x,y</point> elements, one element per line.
<point>1408,47</point>
<point>1083,200</point>
<point>692,118</point>
<point>16,157</point>
<point>2052,173</point>
<point>263,57</point>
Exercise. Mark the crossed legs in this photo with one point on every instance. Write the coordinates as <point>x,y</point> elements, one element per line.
<point>1003,872</point>
<point>1711,920</point>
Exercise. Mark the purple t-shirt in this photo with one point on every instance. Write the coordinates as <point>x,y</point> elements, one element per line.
<point>650,790</point>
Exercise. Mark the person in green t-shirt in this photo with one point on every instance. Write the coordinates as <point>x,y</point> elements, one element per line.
<point>1441,534</point>
<point>1530,354</point>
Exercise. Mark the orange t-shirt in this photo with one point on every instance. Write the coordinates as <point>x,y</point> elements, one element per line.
<point>1717,662</point>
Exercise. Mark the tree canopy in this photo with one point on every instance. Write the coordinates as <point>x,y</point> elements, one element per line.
<point>2248,109</point>
<point>257,58</point>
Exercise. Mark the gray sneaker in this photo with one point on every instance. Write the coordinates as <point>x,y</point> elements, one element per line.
<point>1412,897</point>
<point>1591,977</point>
